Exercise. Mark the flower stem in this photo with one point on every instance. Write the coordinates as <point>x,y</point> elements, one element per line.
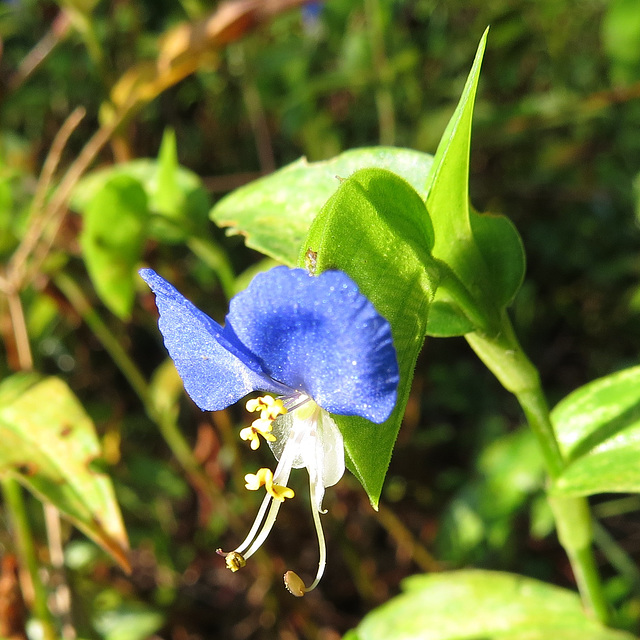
<point>213,256</point>
<point>504,357</point>
<point>383,72</point>
<point>23,535</point>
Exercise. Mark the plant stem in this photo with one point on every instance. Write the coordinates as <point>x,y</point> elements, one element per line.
<point>215,258</point>
<point>616,555</point>
<point>23,536</point>
<point>504,357</point>
<point>383,71</point>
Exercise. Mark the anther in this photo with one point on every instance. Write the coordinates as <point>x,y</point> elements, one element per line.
<point>233,559</point>
<point>264,478</point>
<point>293,583</point>
<point>270,408</point>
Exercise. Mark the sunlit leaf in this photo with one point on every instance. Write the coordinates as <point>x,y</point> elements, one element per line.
<point>49,444</point>
<point>482,605</point>
<point>510,470</point>
<point>178,208</point>
<point>275,212</point>
<point>620,33</point>
<point>115,227</point>
<point>376,229</point>
<point>128,621</point>
<point>177,195</point>
<point>598,428</point>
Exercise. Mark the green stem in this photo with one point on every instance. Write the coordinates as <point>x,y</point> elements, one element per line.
<point>504,357</point>
<point>616,555</point>
<point>215,258</point>
<point>383,71</point>
<point>112,346</point>
<point>14,501</point>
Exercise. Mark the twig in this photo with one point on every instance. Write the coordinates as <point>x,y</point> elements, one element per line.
<point>53,157</point>
<point>406,540</point>
<point>19,326</point>
<point>62,593</point>
<point>43,48</point>
<point>56,208</point>
<point>39,216</point>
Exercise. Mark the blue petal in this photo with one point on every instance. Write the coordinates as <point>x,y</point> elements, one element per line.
<point>216,370</point>
<point>319,335</point>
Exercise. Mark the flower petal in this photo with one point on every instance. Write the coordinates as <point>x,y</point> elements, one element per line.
<point>325,459</point>
<point>314,442</point>
<point>216,371</point>
<point>319,335</point>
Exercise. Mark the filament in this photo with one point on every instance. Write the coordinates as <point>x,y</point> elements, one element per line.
<point>256,524</point>
<point>264,521</point>
<point>292,580</point>
<point>322,546</point>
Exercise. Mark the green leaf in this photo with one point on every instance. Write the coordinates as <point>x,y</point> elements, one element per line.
<point>503,252</point>
<point>376,229</point>
<point>275,212</point>
<point>115,226</point>
<point>49,444</point>
<point>484,251</point>
<point>180,206</point>
<point>482,605</point>
<point>481,513</point>
<point>167,192</point>
<point>598,429</point>
<point>620,33</point>
<point>183,207</point>
<point>126,620</point>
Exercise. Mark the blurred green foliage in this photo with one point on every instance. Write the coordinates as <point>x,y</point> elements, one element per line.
<point>555,147</point>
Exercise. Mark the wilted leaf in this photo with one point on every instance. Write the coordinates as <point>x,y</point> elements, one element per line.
<point>49,444</point>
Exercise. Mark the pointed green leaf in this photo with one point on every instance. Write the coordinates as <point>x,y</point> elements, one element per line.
<point>49,444</point>
<point>376,229</point>
<point>115,227</point>
<point>167,192</point>
<point>484,251</point>
<point>448,180</point>
<point>275,212</point>
<point>482,605</point>
<point>598,428</point>
<point>183,208</point>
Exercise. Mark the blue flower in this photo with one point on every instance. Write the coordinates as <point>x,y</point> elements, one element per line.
<point>316,344</point>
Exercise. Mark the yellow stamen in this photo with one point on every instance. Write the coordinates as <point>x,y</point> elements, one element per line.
<point>264,478</point>
<point>251,435</point>
<point>259,427</point>
<point>234,560</point>
<point>270,408</point>
<point>279,492</point>
<point>253,405</point>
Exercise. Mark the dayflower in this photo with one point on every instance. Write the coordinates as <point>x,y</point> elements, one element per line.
<point>315,343</point>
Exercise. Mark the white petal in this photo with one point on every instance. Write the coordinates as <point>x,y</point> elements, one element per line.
<point>282,429</point>
<point>332,445</point>
<point>315,443</point>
